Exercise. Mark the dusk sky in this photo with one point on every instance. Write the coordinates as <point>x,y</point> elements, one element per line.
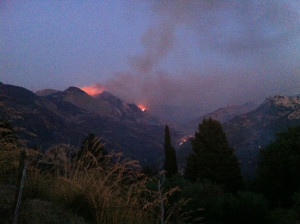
<point>199,55</point>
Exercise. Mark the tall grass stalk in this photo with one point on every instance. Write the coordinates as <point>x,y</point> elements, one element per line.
<point>108,191</point>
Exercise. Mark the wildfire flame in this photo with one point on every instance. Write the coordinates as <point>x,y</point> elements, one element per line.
<point>142,107</point>
<point>93,89</point>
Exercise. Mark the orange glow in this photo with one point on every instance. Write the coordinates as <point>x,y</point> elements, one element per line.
<point>184,139</point>
<point>93,89</point>
<point>142,107</point>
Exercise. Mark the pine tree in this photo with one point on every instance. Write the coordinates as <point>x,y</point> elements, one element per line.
<point>212,158</point>
<point>170,155</point>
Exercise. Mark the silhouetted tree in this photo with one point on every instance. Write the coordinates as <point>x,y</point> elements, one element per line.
<point>278,168</point>
<point>170,155</point>
<point>212,158</point>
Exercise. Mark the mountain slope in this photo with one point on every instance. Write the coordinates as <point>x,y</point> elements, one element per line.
<point>67,116</point>
<point>257,128</point>
<point>251,131</point>
<point>126,111</point>
<point>82,100</point>
<point>103,104</point>
<point>222,114</point>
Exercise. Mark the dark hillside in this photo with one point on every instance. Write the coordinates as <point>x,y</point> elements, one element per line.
<point>66,117</point>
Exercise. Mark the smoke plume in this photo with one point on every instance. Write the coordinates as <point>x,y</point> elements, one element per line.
<point>244,50</point>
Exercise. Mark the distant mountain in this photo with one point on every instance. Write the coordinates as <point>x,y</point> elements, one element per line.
<point>249,132</point>
<point>126,111</point>
<point>222,115</point>
<point>66,117</point>
<point>103,104</point>
<point>275,114</point>
<point>82,100</point>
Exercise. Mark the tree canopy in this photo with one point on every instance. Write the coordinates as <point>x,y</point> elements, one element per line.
<point>212,157</point>
<point>279,167</point>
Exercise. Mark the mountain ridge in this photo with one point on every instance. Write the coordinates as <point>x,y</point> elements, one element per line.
<point>61,118</point>
<point>251,131</point>
<point>66,117</point>
<point>222,114</point>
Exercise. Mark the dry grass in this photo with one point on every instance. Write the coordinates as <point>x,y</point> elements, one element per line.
<point>35,211</point>
<point>106,192</point>
<point>109,190</point>
<point>7,195</point>
<point>115,192</point>
<point>9,163</point>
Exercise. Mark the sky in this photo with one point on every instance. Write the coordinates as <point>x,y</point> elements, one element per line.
<point>186,57</point>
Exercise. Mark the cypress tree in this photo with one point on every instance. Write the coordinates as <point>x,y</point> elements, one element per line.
<point>213,158</point>
<point>170,155</point>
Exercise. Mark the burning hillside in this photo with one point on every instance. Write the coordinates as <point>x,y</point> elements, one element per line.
<point>142,107</point>
<point>93,90</point>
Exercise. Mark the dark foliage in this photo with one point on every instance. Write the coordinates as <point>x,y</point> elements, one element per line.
<point>150,170</point>
<point>170,155</point>
<point>212,158</point>
<point>278,168</point>
<point>213,205</point>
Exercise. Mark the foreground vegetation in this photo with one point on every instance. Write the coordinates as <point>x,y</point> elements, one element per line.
<point>98,187</point>
<point>88,185</point>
